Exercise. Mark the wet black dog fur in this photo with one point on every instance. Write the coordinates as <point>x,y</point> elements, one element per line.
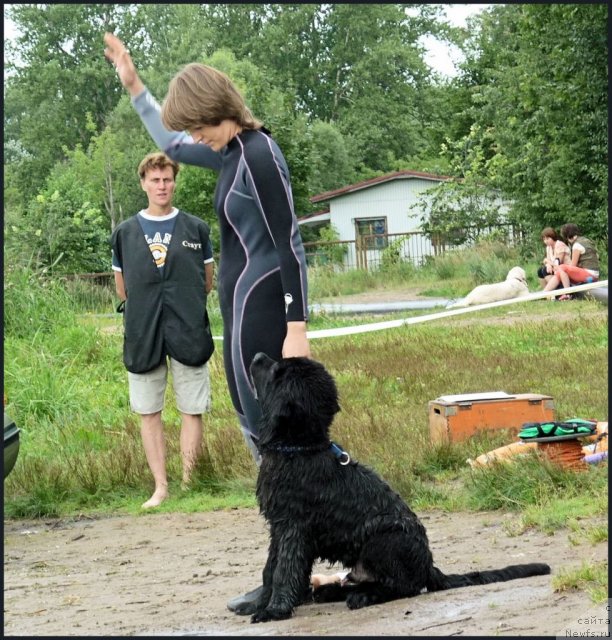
<point>318,508</point>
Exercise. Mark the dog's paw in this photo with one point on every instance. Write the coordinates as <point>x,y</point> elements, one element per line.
<point>266,615</point>
<point>357,600</point>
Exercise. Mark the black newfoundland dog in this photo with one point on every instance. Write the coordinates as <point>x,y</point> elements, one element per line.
<point>320,505</point>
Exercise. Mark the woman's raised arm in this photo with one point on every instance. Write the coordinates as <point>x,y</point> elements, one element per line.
<point>176,144</point>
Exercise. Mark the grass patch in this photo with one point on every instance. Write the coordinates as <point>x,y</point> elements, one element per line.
<point>591,577</point>
<point>589,534</point>
<point>81,448</point>
<point>557,512</point>
<point>533,480</point>
<point>450,275</point>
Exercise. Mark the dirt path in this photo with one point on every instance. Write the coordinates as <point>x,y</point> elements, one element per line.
<point>505,316</point>
<point>379,295</point>
<point>171,574</point>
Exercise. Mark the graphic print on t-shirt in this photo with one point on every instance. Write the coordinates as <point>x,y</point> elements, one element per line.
<point>159,247</point>
<point>158,234</point>
<point>158,231</point>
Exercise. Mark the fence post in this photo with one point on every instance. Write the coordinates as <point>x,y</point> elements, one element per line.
<point>361,251</point>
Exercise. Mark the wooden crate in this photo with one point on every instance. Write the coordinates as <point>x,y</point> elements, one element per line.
<point>456,418</point>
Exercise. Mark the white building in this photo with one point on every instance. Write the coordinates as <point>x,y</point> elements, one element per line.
<point>377,207</point>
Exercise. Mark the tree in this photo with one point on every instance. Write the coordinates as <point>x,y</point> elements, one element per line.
<point>331,161</point>
<point>538,80</point>
<point>56,76</point>
<point>359,67</point>
<point>66,224</point>
<point>460,209</point>
<point>84,197</point>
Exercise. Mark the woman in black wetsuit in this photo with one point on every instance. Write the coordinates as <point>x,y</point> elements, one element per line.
<point>262,273</point>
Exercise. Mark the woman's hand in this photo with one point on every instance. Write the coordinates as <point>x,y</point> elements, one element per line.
<point>296,342</point>
<point>118,55</point>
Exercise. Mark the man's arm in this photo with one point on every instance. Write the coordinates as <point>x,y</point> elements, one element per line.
<point>120,285</point>
<point>209,270</point>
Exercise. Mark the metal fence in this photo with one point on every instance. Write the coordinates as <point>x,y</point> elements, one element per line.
<point>370,252</point>
<point>95,292</point>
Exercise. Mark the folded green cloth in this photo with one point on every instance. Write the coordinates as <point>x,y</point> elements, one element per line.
<point>573,426</point>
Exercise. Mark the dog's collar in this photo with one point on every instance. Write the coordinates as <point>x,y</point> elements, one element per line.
<point>343,457</point>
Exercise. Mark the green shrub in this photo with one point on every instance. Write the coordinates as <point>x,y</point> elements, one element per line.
<point>34,302</point>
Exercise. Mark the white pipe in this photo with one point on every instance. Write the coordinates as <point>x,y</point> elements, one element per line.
<point>391,324</point>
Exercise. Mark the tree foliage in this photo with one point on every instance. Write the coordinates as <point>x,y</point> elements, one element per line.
<point>462,208</point>
<point>538,77</point>
<point>344,90</point>
<point>56,76</point>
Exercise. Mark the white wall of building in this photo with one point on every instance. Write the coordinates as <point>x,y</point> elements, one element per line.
<point>390,199</point>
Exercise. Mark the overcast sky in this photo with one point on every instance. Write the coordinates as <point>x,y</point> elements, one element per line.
<point>441,57</point>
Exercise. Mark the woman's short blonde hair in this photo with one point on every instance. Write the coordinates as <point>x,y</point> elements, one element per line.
<point>201,95</point>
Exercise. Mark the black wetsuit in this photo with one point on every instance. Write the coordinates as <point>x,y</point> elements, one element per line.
<point>262,272</point>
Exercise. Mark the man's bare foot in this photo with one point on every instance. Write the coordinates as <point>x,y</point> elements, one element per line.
<point>319,579</point>
<point>186,482</point>
<point>156,499</point>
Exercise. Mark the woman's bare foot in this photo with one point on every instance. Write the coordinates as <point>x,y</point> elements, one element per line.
<point>157,498</point>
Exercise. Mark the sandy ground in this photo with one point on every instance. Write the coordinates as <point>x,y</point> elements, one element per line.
<point>172,574</point>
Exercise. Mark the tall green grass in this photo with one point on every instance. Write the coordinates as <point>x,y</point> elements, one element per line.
<point>81,449</point>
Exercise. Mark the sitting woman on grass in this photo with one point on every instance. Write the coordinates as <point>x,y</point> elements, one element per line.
<point>584,265</point>
<point>557,252</point>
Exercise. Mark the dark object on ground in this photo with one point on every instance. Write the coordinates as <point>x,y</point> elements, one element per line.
<point>11,444</point>
<point>240,602</point>
<point>319,504</point>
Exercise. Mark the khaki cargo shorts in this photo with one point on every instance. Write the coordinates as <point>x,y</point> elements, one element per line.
<point>191,388</point>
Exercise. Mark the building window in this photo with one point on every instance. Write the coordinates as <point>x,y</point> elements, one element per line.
<point>373,231</point>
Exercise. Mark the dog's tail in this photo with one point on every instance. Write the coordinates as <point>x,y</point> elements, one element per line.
<point>440,581</point>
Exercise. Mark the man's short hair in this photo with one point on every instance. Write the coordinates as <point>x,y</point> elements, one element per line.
<point>156,160</point>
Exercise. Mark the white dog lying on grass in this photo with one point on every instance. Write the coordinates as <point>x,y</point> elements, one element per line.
<point>514,286</point>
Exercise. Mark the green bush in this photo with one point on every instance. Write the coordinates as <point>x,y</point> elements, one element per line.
<point>530,480</point>
<point>33,302</point>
